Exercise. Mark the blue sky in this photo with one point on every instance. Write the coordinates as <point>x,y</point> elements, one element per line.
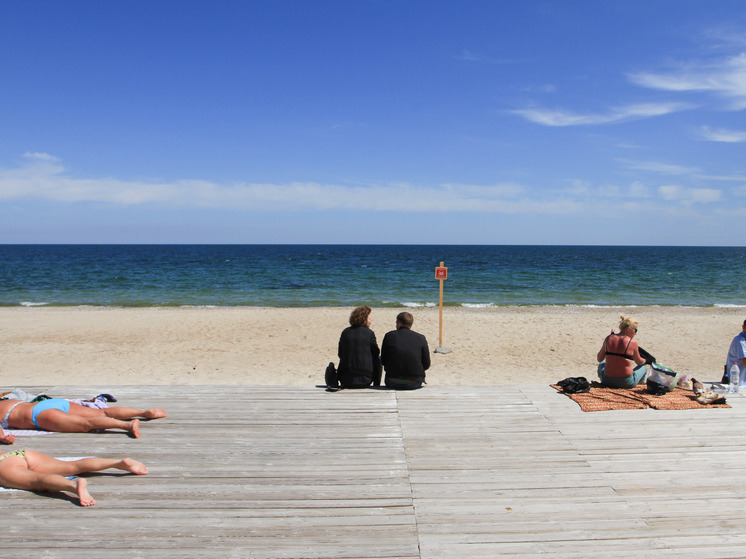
<point>486,122</point>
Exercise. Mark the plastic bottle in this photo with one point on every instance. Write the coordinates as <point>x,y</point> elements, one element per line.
<point>735,378</point>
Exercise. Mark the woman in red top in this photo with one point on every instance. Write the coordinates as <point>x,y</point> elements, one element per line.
<point>621,354</point>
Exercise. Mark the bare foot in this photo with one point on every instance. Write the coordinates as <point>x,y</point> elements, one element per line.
<point>154,413</point>
<point>134,466</point>
<point>135,429</point>
<point>85,498</point>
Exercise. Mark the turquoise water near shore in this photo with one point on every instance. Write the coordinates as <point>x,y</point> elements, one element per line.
<point>378,275</point>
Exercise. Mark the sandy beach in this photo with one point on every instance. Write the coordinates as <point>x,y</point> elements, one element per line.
<point>291,346</point>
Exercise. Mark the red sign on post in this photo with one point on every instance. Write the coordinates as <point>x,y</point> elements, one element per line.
<point>441,273</point>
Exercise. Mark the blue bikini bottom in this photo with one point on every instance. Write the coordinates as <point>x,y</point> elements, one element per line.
<point>51,404</point>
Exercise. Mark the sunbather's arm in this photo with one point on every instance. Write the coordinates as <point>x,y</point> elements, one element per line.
<point>6,439</point>
<point>602,352</point>
<point>639,359</point>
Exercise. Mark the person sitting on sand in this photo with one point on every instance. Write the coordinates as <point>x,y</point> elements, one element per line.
<point>620,352</point>
<point>34,471</point>
<point>55,414</point>
<point>359,362</point>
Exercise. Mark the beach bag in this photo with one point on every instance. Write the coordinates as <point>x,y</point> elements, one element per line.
<point>574,385</point>
<point>330,378</point>
<point>661,379</point>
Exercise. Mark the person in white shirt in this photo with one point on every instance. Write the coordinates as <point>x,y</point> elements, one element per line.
<point>737,354</point>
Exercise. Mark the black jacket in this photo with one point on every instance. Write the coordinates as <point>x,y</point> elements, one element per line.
<point>359,364</point>
<point>405,355</point>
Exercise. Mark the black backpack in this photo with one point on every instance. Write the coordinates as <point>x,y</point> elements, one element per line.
<point>330,378</point>
<point>574,385</point>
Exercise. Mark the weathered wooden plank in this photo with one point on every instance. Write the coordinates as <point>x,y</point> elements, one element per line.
<point>286,472</point>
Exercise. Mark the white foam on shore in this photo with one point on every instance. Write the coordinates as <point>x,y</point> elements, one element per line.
<point>591,306</point>
<point>31,304</point>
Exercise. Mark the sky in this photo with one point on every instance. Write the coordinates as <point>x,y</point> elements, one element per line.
<point>578,122</point>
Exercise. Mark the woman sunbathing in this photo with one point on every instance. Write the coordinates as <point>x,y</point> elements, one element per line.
<point>67,417</point>
<point>34,471</point>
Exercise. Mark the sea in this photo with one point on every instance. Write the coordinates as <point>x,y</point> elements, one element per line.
<point>376,275</point>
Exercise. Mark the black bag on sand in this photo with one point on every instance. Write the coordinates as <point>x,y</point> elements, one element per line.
<point>661,380</point>
<point>574,385</point>
<point>656,388</point>
<point>330,378</point>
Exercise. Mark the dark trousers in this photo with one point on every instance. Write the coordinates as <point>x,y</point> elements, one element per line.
<point>403,385</point>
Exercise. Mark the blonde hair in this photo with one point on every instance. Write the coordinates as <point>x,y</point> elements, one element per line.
<point>627,322</point>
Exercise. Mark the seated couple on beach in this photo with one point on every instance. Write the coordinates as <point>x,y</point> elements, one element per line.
<point>404,355</point>
<point>34,471</point>
<point>618,356</point>
<point>64,416</point>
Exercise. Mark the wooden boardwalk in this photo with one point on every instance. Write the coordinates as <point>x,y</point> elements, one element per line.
<point>452,472</point>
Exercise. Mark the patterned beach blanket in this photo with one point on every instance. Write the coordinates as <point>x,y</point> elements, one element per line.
<point>601,398</point>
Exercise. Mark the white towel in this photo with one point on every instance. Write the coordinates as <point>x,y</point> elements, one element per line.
<point>26,433</point>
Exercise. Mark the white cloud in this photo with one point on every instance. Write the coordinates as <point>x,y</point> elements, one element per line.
<point>620,114</point>
<point>679,170</point>
<point>725,77</point>
<point>636,190</point>
<point>661,168</point>
<point>639,190</point>
<point>726,37</point>
<point>688,196</point>
<point>469,56</point>
<point>705,195</point>
<point>507,190</point>
<point>40,156</point>
<point>730,178</point>
<point>670,192</point>
<point>546,88</point>
<point>723,135</point>
<point>44,181</point>
<point>47,180</point>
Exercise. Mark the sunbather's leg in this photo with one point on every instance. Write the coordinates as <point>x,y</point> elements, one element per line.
<point>44,464</point>
<point>15,474</point>
<point>56,420</point>
<point>116,412</point>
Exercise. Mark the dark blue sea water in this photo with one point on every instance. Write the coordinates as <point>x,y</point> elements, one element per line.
<point>378,275</point>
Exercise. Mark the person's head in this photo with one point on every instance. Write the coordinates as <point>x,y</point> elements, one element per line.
<point>744,326</point>
<point>628,326</point>
<point>404,319</point>
<point>360,316</point>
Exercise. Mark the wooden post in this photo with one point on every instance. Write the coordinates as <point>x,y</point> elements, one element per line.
<point>440,314</point>
<point>441,273</point>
